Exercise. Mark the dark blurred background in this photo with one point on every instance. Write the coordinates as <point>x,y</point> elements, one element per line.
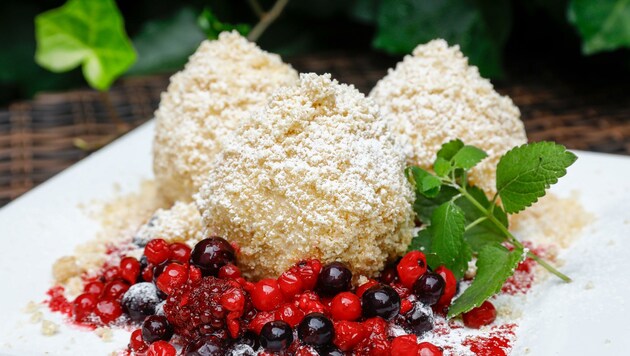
<point>565,63</point>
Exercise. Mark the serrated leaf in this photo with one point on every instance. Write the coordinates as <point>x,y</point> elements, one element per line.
<point>90,33</point>
<point>424,206</point>
<point>495,264</point>
<point>450,149</point>
<point>425,183</point>
<point>431,186</point>
<point>447,232</point>
<point>468,157</point>
<point>442,167</point>
<point>602,24</point>
<point>525,172</point>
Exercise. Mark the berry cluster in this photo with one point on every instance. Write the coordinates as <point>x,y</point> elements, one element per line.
<point>197,300</point>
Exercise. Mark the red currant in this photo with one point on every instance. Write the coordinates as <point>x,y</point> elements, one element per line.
<point>115,289</point>
<point>157,251</point>
<point>161,348</point>
<point>267,295</point>
<point>428,349</point>
<point>450,287</point>
<point>365,286</point>
<point>411,267</point>
<point>290,314</point>
<point>180,252</point>
<point>173,276</point>
<point>129,269</point>
<point>229,271</point>
<point>345,306</point>
<point>348,334</point>
<point>108,310</point>
<point>480,316</point>
<point>83,305</point>
<point>405,306</point>
<point>111,273</point>
<point>233,300</point>
<point>290,283</point>
<point>406,345</point>
<point>260,320</point>
<point>308,271</point>
<point>136,344</point>
<point>194,273</point>
<point>94,287</point>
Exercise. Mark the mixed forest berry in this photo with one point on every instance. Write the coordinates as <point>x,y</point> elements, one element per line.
<point>316,330</point>
<point>480,316</point>
<point>276,336</point>
<point>429,288</point>
<point>380,301</point>
<point>210,254</point>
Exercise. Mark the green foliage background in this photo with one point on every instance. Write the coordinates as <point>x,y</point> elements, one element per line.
<point>164,33</point>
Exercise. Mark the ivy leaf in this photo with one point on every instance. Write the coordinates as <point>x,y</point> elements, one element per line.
<point>525,172</point>
<point>90,33</point>
<point>495,264</point>
<point>212,27</point>
<point>602,24</point>
<point>480,28</point>
<point>447,232</point>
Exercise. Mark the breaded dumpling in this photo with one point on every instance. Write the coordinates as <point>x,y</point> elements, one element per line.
<point>434,96</point>
<point>204,103</point>
<point>314,174</point>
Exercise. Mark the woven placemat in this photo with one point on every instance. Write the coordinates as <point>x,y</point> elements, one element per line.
<point>39,138</point>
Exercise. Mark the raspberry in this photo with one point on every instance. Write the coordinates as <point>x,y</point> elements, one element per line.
<point>157,251</point>
<point>173,277</point>
<point>309,302</point>
<point>345,306</point>
<point>365,286</point>
<point>83,305</point>
<point>428,349</point>
<point>411,267</point>
<point>291,283</point>
<point>289,313</point>
<point>229,271</point>
<point>179,252</point>
<point>480,316</point>
<point>108,310</point>
<point>406,345</point>
<point>348,334</point>
<point>267,295</point>
<point>195,309</point>
<point>450,287</point>
<point>129,269</point>
<point>136,343</point>
<point>94,287</point>
<point>161,348</point>
<point>115,289</point>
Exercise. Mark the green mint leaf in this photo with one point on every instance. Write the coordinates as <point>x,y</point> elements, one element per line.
<point>424,206</point>
<point>442,167</point>
<point>450,149</point>
<point>495,264</point>
<point>212,27</point>
<point>525,172</point>
<point>425,183</point>
<point>90,33</point>
<point>447,230</point>
<point>468,157</point>
<point>423,242</point>
<point>603,25</point>
<point>486,231</point>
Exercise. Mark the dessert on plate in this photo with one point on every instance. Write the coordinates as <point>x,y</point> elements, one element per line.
<point>293,215</point>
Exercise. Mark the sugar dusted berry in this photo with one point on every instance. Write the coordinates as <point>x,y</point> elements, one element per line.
<point>334,278</point>
<point>480,316</point>
<point>419,319</point>
<point>381,301</point>
<point>276,336</point>
<point>156,327</point>
<point>411,267</point>
<point>316,330</point>
<point>84,305</point>
<point>157,251</point>
<point>345,306</point>
<point>210,254</point>
<point>429,288</point>
<point>140,301</point>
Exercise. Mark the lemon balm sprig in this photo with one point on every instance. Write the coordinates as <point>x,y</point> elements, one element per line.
<point>462,223</point>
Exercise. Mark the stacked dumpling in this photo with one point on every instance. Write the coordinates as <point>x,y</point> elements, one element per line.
<point>434,96</point>
<point>204,103</point>
<point>313,174</point>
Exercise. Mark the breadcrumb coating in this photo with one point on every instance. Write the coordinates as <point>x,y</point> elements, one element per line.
<point>434,96</point>
<point>314,174</point>
<point>204,103</point>
<point>179,223</point>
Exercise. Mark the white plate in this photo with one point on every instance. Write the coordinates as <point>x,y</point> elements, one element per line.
<point>558,319</point>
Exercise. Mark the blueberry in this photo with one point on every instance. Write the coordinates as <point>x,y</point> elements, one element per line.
<point>419,319</point>
<point>380,301</point>
<point>211,254</point>
<point>140,300</point>
<point>333,279</point>
<point>276,336</point>
<point>316,330</point>
<point>156,327</point>
<point>205,346</point>
<point>429,288</point>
